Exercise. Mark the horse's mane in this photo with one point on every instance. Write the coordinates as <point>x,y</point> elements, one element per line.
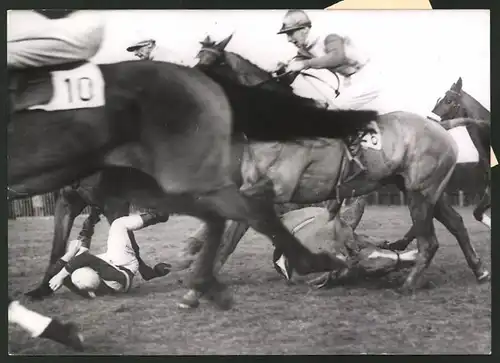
<point>237,61</point>
<point>261,110</point>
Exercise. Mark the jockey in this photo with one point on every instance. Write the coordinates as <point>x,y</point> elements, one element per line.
<point>360,82</point>
<point>112,271</point>
<point>364,255</point>
<point>51,37</point>
<point>150,50</point>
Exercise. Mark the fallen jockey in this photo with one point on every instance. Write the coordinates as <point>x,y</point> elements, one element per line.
<point>363,254</point>
<point>108,273</point>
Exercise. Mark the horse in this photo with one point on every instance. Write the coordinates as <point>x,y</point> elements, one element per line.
<point>165,132</point>
<point>458,105</point>
<point>459,109</point>
<point>417,167</point>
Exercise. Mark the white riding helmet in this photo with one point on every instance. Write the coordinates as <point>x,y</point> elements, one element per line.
<point>86,279</point>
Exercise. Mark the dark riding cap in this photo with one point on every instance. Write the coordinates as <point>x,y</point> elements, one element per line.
<point>294,20</point>
<point>141,44</point>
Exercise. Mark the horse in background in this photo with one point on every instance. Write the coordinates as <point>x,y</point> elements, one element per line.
<point>456,105</point>
<point>459,110</point>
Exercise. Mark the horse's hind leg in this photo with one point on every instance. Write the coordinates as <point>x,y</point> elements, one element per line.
<point>453,221</point>
<point>422,214</point>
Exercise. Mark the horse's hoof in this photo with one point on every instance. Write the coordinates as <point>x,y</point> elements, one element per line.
<point>483,276</point>
<point>39,294</point>
<point>221,297</point>
<point>190,300</point>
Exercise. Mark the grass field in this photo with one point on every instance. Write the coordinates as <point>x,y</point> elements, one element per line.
<point>451,314</point>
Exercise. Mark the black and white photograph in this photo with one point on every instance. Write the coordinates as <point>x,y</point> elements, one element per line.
<point>248,182</point>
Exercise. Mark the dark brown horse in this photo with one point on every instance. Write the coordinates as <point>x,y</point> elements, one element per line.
<point>165,132</point>
<point>457,108</point>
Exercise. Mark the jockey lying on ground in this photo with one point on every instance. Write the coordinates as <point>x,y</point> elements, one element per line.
<point>364,255</point>
<point>107,273</point>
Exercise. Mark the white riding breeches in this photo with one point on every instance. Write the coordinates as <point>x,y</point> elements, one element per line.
<point>361,91</point>
<point>119,249</point>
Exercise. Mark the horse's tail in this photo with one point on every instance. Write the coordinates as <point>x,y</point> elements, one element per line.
<point>268,115</point>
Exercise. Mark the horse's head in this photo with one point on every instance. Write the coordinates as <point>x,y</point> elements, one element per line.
<point>215,60</point>
<point>451,106</point>
<point>212,54</point>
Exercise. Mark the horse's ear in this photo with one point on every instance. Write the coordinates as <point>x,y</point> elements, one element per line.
<point>207,42</point>
<point>223,43</point>
<point>458,86</point>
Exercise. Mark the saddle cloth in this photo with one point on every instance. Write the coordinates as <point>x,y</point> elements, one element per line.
<point>63,87</point>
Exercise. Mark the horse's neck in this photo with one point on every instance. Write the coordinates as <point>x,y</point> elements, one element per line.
<point>474,108</point>
<point>249,74</point>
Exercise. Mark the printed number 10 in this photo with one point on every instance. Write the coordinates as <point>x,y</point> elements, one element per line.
<point>82,87</point>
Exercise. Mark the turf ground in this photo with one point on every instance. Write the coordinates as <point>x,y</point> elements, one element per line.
<point>451,314</point>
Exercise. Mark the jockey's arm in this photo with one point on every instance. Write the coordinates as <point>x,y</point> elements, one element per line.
<point>334,57</point>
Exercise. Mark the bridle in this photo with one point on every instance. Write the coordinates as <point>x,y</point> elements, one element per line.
<point>454,106</point>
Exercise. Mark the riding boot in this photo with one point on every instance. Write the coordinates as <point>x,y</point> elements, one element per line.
<point>66,334</point>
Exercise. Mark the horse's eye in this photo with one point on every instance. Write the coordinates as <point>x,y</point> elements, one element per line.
<point>448,101</point>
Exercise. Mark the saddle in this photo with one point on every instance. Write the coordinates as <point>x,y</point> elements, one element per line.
<point>33,86</point>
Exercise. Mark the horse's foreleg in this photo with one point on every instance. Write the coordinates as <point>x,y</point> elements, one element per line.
<point>203,281</point>
<point>232,236</point>
<point>193,244</point>
<point>453,221</point>
<point>69,205</point>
